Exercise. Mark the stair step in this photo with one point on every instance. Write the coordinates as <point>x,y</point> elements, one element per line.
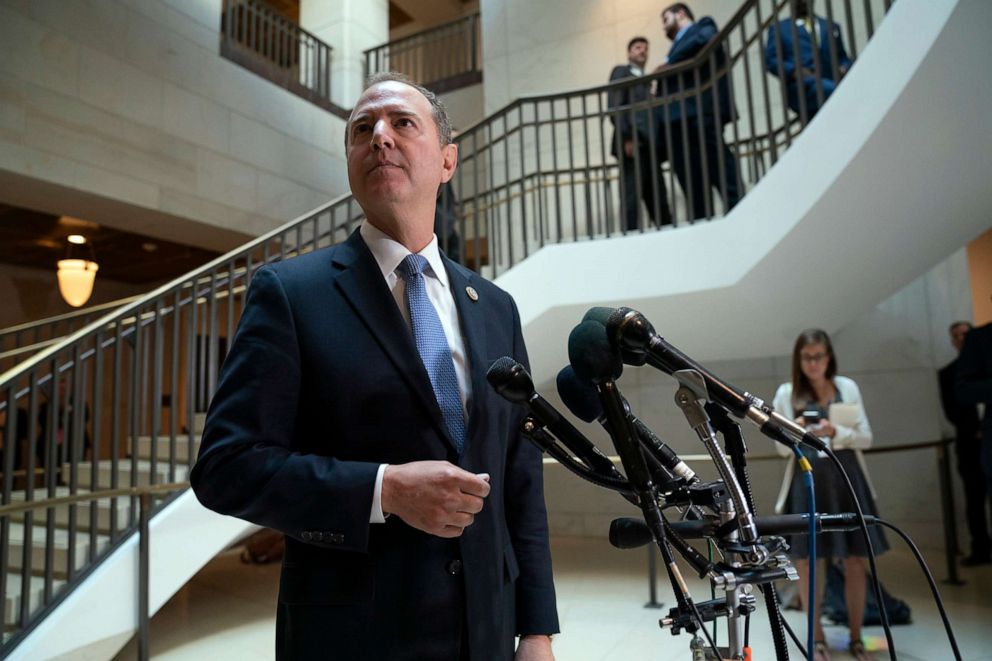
<point>12,596</point>
<point>105,468</point>
<point>61,513</point>
<point>60,548</point>
<point>162,448</point>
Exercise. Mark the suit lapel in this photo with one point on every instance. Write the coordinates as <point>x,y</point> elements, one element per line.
<point>361,282</point>
<point>471,317</point>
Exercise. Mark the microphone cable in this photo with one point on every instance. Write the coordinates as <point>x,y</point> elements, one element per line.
<point>811,606</point>
<point>930,581</point>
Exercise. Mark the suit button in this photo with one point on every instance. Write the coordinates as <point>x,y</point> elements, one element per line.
<point>306,536</point>
<point>454,567</point>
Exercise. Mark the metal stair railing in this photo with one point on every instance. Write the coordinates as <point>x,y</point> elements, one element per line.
<point>442,58</point>
<point>21,340</point>
<point>116,404</point>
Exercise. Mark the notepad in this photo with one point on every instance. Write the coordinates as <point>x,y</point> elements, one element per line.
<point>844,415</point>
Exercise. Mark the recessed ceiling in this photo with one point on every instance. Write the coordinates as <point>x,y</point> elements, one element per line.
<point>39,240</point>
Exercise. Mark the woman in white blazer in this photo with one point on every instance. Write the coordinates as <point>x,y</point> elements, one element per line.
<point>830,406</point>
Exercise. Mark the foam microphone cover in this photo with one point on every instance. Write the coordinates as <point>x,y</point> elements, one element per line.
<point>581,397</point>
<point>511,380</point>
<point>627,533</point>
<point>603,315</point>
<point>591,354</point>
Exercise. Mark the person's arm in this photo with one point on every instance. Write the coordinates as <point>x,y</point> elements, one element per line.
<point>527,522</point>
<point>618,98</point>
<point>784,68</point>
<point>945,379</point>
<point>247,467</point>
<point>843,61</point>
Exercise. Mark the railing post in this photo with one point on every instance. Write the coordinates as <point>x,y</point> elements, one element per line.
<point>652,580</point>
<point>948,515</point>
<point>143,577</point>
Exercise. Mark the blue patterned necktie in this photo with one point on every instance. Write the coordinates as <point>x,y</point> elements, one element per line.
<point>433,347</point>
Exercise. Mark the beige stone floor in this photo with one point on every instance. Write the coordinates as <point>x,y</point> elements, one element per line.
<point>227,611</point>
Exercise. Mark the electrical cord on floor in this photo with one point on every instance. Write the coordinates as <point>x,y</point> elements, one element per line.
<point>933,584</point>
<point>876,586</point>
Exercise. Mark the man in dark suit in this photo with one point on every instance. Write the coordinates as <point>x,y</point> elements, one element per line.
<point>353,415</point>
<point>964,417</point>
<point>974,386</point>
<point>822,58</point>
<point>696,118</point>
<point>635,142</point>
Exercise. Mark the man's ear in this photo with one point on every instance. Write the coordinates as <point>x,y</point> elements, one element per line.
<point>449,159</point>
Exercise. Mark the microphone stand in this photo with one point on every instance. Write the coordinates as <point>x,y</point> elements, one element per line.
<point>741,544</point>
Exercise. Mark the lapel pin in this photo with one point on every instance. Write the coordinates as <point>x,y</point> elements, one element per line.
<point>474,295</point>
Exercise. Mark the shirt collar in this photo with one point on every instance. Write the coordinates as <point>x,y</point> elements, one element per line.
<point>389,253</point>
<point>636,70</point>
<point>682,31</point>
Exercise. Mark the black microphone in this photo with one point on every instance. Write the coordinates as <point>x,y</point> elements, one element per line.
<point>630,533</point>
<point>582,399</point>
<point>630,330</point>
<point>602,315</point>
<point>513,382</point>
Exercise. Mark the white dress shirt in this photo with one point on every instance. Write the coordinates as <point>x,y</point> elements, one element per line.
<point>388,254</point>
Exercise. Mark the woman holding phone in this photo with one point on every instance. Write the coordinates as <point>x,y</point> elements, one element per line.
<point>830,407</point>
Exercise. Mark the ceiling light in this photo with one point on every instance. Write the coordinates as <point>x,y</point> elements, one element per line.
<point>76,278</point>
<point>75,275</point>
<point>78,239</point>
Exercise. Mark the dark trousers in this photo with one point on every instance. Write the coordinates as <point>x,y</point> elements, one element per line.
<point>976,494</point>
<point>809,91</point>
<point>688,161</point>
<point>640,178</point>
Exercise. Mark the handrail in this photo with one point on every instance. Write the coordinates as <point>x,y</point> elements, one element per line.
<point>443,58</point>
<point>65,316</point>
<point>154,489</point>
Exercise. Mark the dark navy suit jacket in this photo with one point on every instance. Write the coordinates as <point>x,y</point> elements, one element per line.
<point>685,48</point>
<point>625,121</point>
<point>806,54</point>
<point>322,384</point>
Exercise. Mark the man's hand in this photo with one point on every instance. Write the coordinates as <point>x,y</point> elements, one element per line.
<point>628,147</point>
<point>534,648</point>
<point>434,496</point>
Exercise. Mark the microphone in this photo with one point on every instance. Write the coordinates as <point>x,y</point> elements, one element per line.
<point>630,330</point>
<point>582,399</point>
<point>629,357</point>
<point>630,533</point>
<point>513,382</point>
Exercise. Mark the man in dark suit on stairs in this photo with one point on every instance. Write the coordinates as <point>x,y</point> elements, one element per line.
<point>353,414</point>
<point>641,177</point>
<point>695,116</point>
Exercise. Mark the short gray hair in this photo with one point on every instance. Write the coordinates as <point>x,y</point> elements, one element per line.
<point>438,111</point>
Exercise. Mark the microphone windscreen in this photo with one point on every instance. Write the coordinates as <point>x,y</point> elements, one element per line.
<point>591,354</point>
<point>581,397</point>
<point>511,380</point>
<point>627,533</point>
<point>600,314</point>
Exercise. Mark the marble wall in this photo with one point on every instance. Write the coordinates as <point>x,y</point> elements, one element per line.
<point>892,352</point>
<point>128,102</point>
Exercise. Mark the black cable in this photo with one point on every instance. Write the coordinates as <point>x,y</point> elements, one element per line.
<point>933,584</point>
<point>781,617</point>
<point>877,587</point>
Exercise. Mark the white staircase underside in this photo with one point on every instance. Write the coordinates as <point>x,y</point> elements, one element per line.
<point>888,179</point>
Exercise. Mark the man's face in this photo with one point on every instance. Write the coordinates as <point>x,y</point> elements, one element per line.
<point>957,335</point>
<point>394,154</point>
<point>670,24</point>
<point>637,54</point>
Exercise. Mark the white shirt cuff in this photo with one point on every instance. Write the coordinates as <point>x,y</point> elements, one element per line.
<point>377,516</point>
